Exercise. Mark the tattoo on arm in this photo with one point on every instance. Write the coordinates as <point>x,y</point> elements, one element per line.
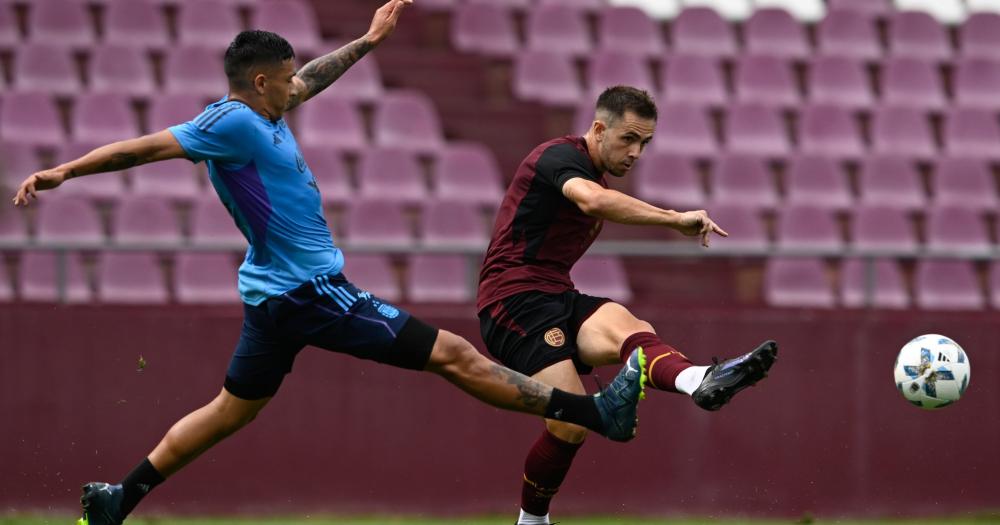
<point>323,71</point>
<point>531,393</point>
<point>120,161</point>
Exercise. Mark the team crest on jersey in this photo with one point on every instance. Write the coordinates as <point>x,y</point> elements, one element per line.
<point>555,337</point>
<point>388,311</point>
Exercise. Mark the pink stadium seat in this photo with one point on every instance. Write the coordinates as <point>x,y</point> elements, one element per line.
<point>195,71</point>
<point>60,22</point>
<point>917,34</point>
<point>167,110</point>
<point>68,219</point>
<point>373,273</point>
<point>701,31</point>
<point>102,187</point>
<point>122,69</point>
<point>745,180</point>
<point>869,8</point>
<point>487,29</point>
<point>964,181</point>
<point>881,227</point>
<point>206,278</point>
<point>407,120</point>
<point>797,282</point>
<point>889,287</point>
<point>891,180</point>
<point>756,129</point>
<point>947,285</point>
<point>468,171</point>
<point>440,278</point>
<point>103,118</point>
<point>174,179</point>
<point>956,228</point>
<point>30,118</point>
<point>9,33</point>
<point>210,23</point>
<point>808,227</point>
<point>693,79</point>
<point>131,278</point>
<point>17,162</point>
<point>558,29</point>
<point>391,174</point>
<point>139,24</point>
<point>744,225</point>
<point>296,20</point>
<point>13,225</point>
<point>146,218</point>
<point>455,224</point>
<point>361,83</point>
<point>902,131</point>
<point>765,79</point>
<point>830,130</point>
<point>839,80</point>
<point>39,278</point>
<point>588,6</point>
<point>333,123</point>
<point>979,36</point>
<point>684,129</point>
<point>818,181</point>
<point>602,276</point>
<point>912,82</point>
<point>331,175</point>
<point>670,180</point>
<point>972,132</point>
<point>629,29</point>
<point>546,77</point>
<point>211,224</point>
<point>613,68</point>
<point>377,224</point>
<point>46,68</point>
<point>848,33</point>
<point>516,4</point>
<point>774,32</point>
<point>977,83</point>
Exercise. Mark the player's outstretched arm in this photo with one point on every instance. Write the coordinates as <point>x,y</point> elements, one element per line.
<point>112,157</point>
<point>318,74</point>
<point>598,201</point>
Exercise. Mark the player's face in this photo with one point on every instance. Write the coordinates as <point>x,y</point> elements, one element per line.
<point>623,142</point>
<point>279,87</point>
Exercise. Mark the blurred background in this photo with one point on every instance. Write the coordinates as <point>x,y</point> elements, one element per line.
<point>850,148</point>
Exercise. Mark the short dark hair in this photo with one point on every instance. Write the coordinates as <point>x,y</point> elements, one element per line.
<point>251,48</point>
<point>616,100</point>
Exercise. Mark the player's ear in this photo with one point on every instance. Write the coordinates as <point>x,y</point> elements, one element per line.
<point>259,82</point>
<point>598,128</point>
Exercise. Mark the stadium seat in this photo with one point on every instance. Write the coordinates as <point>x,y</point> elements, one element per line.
<point>994,284</point>
<point>393,175</point>
<point>891,180</point>
<point>731,10</point>
<point>195,71</point>
<point>881,227</point>
<point>889,286</point>
<point>808,227</point>
<point>657,9</point>
<point>211,24</point>
<point>211,224</point>
<point>377,223</point>
<point>916,34</point>
<point>587,5</point>
<point>546,77</point>
<point>440,278</point>
<point>670,180</point>
<point>138,24</point>
<point>797,282</point>
<point>166,110</point>
<point>839,80</point>
<point>701,31</point>
<point>373,273</point>
<point>818,181</point>
<point>902,131</point>
<point>848,33</point>
<point>514,4</point>
<point>39,277</point>
<point>947,285</point>
<point>469,172</point>
<point>174,179</point>
<point>103,118</point>
<point>693,79</point>
<point>46,68</point>
<point>808,11</point>
<point>121,69</point>
<point>13,224</point>
<point>486,29</point>
<point>912,82</point>
<point>361,83</point>
<point>945,11</point>
<point>296,20</point>
<point>629,30</point>
<point>744,225</point>
<point>103,187</point>
<point>743,179</point>
<point>979,36</point>
<point>131,278</point>
<point>964,181</point>
<point>756,129</point>
<point>62,23</point>
<point>773,32</point>
<point>454,224</point>
<point>602,276</point>
<point>10,35</point>
<point>206,278</point>
<point>333,123</point>
<point>973,133</point>
<point>146,218</point>
<point>765,79</point>
<point>956,227</point>
<point>977,83</point>
<point>558,29</point>
<point>870,8</point>
<point>30,118</point>
<point>614,68</point>
<point>829,130</point>
<point>407,120</point>
<point>17,161</point>
<point>68,218</point>
<point>684,129</point>
<point>331,175</point>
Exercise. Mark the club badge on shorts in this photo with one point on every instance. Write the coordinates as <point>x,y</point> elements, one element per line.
<point>555,337</point>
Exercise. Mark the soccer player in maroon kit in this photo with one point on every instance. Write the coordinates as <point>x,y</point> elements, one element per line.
<point>534,321</point>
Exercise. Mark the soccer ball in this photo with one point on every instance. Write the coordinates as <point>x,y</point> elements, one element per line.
<point>932,371</point>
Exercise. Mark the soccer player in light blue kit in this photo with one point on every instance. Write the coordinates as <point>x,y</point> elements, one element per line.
<point>291,283</point>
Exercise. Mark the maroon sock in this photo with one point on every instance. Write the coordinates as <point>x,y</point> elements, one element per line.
<point>545,468</point>
<point>663,362</point>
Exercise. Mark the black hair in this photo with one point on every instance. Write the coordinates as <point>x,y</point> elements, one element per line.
<point>616,100</point>
<point>252,48</point>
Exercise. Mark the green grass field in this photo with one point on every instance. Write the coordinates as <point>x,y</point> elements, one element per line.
<point>502,520</point>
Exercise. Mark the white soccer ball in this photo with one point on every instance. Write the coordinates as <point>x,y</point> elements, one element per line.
<point>932,371</point>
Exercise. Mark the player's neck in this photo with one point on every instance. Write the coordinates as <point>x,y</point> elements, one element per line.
<point>592,149</point>
<point>254,103</point>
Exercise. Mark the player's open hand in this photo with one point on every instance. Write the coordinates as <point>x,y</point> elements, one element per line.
<point>385,20</point>
<point>697,222</point>
<point>42,180</point>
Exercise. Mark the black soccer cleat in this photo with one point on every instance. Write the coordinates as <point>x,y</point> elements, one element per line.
<point>101,504</point>
<point>724,380</point>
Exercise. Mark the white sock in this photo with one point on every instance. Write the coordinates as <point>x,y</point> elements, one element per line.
<point>531,519</point>
<point>688,380</point>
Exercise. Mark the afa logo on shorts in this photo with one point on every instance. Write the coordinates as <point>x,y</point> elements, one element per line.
<point>388,311</point>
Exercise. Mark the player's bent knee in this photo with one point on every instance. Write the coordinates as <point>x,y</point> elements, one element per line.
<point>452,355</point>
<point>567,432</point>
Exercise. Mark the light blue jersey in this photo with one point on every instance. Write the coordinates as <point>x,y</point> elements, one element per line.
<point>261,177</point>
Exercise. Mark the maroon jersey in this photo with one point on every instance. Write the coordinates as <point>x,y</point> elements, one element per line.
<point>539,234</point>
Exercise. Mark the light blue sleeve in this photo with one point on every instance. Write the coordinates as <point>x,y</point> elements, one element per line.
<point>222,134</point>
